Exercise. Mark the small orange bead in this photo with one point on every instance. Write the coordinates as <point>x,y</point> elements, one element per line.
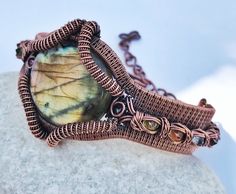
<point>176,136</point>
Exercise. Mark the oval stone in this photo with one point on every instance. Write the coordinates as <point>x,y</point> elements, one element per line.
<point>63,90</point>
<point>152,126</point>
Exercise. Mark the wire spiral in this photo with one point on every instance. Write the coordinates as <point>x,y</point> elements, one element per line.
<point>29,107</point>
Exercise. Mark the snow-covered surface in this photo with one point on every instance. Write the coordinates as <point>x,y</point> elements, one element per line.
<point>220,91</point>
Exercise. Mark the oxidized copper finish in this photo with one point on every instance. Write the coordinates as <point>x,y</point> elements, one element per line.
<point>136,113</point>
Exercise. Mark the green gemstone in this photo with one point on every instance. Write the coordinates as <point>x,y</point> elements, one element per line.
<point>152,126</point>
<point>63,90</point>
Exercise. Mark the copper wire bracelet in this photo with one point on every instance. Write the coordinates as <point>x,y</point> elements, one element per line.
<point>152,117</point>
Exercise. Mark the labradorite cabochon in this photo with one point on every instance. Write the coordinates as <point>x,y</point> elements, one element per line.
<point>63,90</point>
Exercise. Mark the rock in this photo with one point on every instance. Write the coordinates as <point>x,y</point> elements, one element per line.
<point>29,166</point>
<point>63,89</point>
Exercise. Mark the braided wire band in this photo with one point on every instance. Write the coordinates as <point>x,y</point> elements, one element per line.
<point>178,127</point>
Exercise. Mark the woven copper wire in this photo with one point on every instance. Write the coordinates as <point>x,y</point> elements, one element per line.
<point>135,121</point>
<point>149,101</point>
<point>140,104</point>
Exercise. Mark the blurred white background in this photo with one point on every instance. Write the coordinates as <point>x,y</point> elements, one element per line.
<point>187,47</point>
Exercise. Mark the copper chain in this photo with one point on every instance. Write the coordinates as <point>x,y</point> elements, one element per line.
<point>131,61</point>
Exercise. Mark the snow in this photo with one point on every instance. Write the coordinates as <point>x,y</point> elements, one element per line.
<point>220,90</point>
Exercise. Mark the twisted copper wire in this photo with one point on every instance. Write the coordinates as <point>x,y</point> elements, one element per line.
<point>212,133</point>
<point>180,128</point>
<point>165,127</point>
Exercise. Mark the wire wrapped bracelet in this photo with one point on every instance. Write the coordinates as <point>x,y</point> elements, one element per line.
<point>74,86</point>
